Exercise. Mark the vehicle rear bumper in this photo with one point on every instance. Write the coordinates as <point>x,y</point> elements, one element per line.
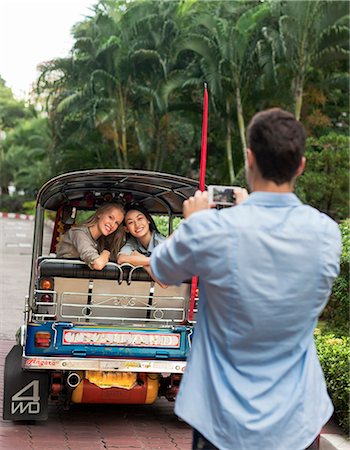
<point>114,365</point>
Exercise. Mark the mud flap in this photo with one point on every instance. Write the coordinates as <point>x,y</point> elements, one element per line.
<point>25,392</point>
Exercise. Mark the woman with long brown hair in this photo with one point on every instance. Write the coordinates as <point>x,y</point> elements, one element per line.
<point>97,240</point>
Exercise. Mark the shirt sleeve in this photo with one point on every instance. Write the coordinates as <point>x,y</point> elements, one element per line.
<point>173,260</point>
<point>87,252</point>
<point>331,247</point>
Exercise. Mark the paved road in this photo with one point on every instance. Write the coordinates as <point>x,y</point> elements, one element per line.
<point>89,427</point>
<point>15,252</point>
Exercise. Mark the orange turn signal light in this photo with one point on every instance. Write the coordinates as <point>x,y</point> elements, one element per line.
<point>46,283</point>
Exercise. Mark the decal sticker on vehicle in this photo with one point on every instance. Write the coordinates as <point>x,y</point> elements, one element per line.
<point>31,403</point>
<point>121,339</point>
<point>36,362</point>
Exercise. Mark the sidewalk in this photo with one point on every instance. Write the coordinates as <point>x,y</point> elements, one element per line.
<point>333,438</point>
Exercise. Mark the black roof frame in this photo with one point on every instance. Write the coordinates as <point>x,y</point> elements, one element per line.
<point>160,193</point>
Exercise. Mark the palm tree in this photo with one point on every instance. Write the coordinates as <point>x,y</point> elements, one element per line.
<point>310,34</point>
<point>226,42</point>
<point>155,27</point>
<point>90,88</point>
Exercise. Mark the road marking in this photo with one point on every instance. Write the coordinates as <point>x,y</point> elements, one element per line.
<point>21,244</point>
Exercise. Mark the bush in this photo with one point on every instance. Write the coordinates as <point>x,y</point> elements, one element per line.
<point>325,182</point>
<point>12,203</point>
<point>336,313</point>
<point>29,207</point>
<point>333,353</point>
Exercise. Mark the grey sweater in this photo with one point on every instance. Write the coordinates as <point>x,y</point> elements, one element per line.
<point>78,243</point>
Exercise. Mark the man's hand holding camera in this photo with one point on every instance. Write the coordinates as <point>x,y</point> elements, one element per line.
<point>201,201</point>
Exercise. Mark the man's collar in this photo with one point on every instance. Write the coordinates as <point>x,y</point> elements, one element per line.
<point>273,199</point>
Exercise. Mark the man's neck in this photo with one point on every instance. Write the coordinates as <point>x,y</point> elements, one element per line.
<point>270,186</point>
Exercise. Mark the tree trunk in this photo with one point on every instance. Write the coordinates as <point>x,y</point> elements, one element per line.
<point>123,126</point>
<point>298,98</point>
<point>117,148</point>
<point>157,143</point>
<point>165,150</point>
<point>151,135</point>
<point>4,190</point>
<point>241,125</point>
<point>229,143</point>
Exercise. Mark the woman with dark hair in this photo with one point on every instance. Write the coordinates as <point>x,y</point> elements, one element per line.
<point>143,237</point>
<point>95,241</point>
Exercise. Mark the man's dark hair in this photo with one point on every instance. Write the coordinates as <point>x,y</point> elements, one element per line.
<point>277,140</point>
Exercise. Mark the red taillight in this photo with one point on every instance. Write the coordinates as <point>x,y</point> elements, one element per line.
<point>196,295</point>
<point>42,339</point>
<point>47,298</point>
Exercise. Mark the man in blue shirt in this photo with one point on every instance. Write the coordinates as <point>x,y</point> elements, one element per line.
<point>266,268</point>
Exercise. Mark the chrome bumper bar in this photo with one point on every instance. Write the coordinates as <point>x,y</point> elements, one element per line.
<point>111,365</point>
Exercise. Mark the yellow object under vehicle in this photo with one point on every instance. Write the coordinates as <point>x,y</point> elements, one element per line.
<point>117,387</point>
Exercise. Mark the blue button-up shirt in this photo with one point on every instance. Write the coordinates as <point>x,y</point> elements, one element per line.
<point>265,267</point>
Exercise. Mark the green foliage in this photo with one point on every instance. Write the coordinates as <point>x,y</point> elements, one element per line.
<point>345,231</point>
<point>325,183</point>
<point>162,223</point>
<point>27,153</point>
<point>12,111</point>
<point>336,313</point>
<point>129,95</point>
<point>309,35</point>
<point>29,207</point>
<point>333,353</point>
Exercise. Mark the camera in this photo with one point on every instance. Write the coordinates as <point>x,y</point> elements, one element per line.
<point>222,196</point>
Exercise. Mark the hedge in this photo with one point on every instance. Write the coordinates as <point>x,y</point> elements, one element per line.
<point>334,353</point>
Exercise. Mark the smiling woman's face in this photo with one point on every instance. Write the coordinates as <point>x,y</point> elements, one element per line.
<point>137,224</point>
<point>109,221</point>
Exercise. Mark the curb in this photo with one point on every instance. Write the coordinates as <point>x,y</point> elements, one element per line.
<point>334,442</point>
<point>6,215</point>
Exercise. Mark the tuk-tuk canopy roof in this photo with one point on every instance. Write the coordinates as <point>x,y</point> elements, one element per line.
<point>159,193</point>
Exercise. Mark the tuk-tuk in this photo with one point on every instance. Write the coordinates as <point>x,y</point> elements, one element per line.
<point>88,336</point>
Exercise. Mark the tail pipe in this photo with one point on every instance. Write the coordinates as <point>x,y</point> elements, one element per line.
<point>73,379</point>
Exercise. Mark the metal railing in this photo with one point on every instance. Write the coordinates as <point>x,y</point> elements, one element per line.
<point>111,308</point>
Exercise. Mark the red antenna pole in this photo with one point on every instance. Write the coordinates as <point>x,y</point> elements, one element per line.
<point>203,160</point>
<point>202,170</point>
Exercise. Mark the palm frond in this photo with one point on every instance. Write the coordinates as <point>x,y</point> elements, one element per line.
<point>69,101</point>
<point>112,43</point>
<point>102,76</point>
